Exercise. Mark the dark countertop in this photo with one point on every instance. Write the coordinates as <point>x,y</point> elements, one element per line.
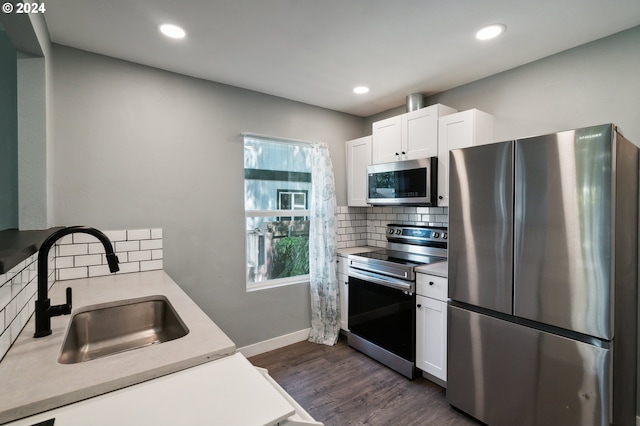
<point>16,246</point>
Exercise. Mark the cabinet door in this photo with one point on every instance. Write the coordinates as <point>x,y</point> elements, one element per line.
<point>358,158</point>
<point>455,131</point>
<point>387,140</point>
<point>343,283</point>
<point>431,336</point>
<point>459,130</point>
<point>420,133</point>
<point>343,288</point>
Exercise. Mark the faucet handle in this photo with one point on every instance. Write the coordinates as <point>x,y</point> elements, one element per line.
<point>68,304</point>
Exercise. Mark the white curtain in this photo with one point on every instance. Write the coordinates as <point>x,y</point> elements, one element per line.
<point>325,297</point>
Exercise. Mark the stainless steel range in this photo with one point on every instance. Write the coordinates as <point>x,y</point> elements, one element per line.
<point>382,315</point>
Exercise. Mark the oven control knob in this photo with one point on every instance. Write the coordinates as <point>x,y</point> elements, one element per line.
<point>391,230</point>
<point>398,232</point>
<point>436,235</point>
<point>444,235</point>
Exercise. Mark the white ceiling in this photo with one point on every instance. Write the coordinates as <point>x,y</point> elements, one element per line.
<point>316,51</point>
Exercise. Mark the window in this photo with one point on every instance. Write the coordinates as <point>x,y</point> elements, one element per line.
<point>292,200</point>
<point>277,182</point>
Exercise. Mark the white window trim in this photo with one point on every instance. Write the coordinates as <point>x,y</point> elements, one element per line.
<point>276,213</point>
<point>278,282</point>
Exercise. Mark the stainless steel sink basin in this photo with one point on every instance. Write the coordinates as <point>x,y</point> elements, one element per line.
<point>110,328</point>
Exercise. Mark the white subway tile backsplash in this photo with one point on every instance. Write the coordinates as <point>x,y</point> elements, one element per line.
<point>14,287</point>
<point>11,310</point>
<point>150,265</point>
<point>127,246</point>
<point>5,341</point>
<point>73,273</point>
<point>72,249</point>
<point>98,270</point>
<point>150,244</point>
<point>137,256</point>
<point>359,226</point>
<point>116,235</point>
<point>131,246</point>
<point>126,268</point>
<point>95,248</point>
<point>88,260</point>
<point>139,234</point>
<point>67,239</point>
<point>64,262</point>
<point>83,238</point>
<point>5,295</point>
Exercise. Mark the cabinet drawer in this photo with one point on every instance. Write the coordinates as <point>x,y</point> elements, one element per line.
<point>431,286</point>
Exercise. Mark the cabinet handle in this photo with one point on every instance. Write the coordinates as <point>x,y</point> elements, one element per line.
<point>440,197</point>
<point>397,154</point>
<point>430,282</point>
<point>419,306</point>
<point>403,153</point>
<point>346,283</point>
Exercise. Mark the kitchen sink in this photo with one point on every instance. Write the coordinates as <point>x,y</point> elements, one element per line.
<point>110,328</point>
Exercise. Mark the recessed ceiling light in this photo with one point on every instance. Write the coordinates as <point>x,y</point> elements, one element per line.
<point>172,31</point>
<point>491,31</point>
<point>361,90</point>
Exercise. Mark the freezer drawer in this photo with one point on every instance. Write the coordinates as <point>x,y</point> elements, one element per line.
<point>504,373</point>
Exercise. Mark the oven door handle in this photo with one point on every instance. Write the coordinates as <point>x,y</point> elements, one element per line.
<point>382,280</point>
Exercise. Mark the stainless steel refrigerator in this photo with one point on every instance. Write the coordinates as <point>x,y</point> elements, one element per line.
<point>543,252</point>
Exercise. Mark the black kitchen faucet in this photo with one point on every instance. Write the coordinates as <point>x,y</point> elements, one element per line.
<point>44,310</point>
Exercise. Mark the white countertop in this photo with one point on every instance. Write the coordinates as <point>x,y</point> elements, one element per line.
<point>33,381</point>
<point>437,268</point>
<point>228,391</point>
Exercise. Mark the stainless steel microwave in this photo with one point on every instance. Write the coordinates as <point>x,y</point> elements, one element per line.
<point>409,182</point>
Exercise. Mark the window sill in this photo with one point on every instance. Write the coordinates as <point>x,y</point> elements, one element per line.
<point>302,279</point>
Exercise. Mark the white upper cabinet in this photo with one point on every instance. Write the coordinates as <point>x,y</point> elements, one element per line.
<point>387,140</point>
<point>459,130</point>
<point>358,158</point>
<point>408,136</point>
<point>420,131</point>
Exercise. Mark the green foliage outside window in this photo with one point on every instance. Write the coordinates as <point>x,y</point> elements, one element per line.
<point>290,257</point>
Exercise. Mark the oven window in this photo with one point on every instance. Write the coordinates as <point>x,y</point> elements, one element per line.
<point>384,316</point>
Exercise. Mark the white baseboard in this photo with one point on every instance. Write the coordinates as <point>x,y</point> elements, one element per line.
<point>637,420</point>
<point>275,343</point>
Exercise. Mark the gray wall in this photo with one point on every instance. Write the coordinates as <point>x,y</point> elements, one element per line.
<point>591,84</point>
<point>134,146</point>
<point>8,134</point>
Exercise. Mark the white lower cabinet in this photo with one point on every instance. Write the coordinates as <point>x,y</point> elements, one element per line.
<point>431,331</point>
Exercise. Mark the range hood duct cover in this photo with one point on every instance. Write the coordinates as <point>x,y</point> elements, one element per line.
<point>415,101</point>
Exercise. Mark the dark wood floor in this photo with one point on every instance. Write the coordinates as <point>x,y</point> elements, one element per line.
<point>340,386</point>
